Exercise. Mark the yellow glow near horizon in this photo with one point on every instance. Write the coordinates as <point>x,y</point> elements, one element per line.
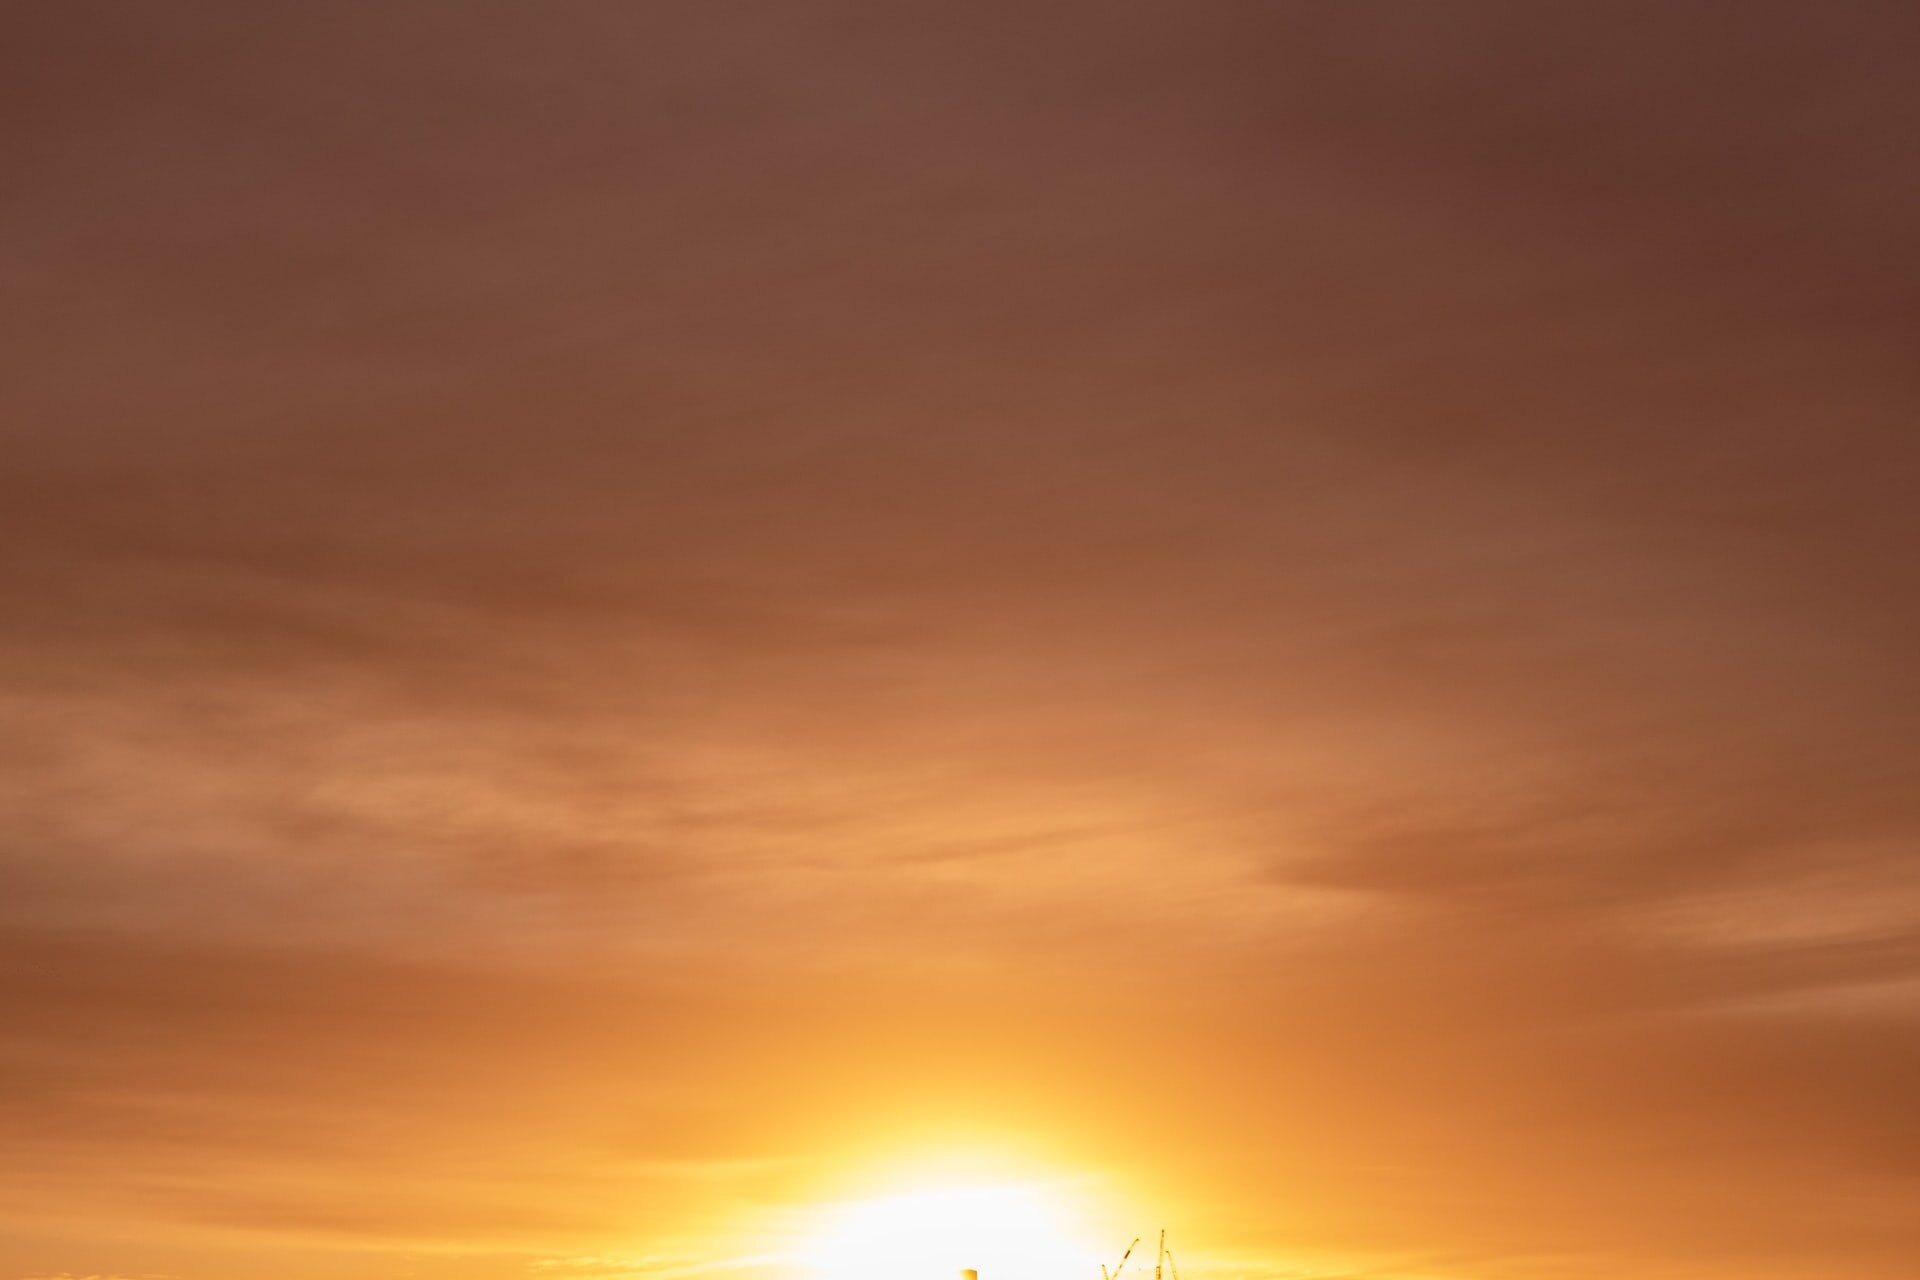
<point>1006,1232</point>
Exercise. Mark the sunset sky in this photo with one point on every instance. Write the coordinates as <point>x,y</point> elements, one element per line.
<point>829,640</point>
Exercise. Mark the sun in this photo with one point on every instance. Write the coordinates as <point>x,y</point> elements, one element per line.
<point>1006,1232</point>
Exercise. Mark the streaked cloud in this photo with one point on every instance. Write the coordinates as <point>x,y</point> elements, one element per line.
<point>612,617</point>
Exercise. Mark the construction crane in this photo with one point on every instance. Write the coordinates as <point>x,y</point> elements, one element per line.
<point>1160,1259</point>
<point>1115,1273</point>
<point>1172,1265</point>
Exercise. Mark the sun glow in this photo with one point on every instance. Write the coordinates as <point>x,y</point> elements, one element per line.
<point>1008,1232</point>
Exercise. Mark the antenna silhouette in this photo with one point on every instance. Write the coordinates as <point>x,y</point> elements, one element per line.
<point>1163,1264</point>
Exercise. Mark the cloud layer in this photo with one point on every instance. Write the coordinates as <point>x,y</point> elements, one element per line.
<point>612,611</point>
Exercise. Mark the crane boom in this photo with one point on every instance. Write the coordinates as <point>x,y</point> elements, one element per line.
<point>1123,1263</point>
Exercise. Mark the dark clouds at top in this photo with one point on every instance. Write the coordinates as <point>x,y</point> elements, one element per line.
<point>1383,530</point>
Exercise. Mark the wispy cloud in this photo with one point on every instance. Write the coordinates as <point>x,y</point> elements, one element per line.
<point>610,614</point>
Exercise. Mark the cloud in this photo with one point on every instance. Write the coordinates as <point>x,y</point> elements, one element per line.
<point>611,615</point>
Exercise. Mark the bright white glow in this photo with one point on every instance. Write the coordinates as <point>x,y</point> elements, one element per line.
<point>1005,1232</point>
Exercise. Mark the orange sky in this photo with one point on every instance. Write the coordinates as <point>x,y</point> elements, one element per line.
<point>1296,621</point>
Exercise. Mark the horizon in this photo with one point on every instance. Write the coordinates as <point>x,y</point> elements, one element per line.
<point>840,640</point>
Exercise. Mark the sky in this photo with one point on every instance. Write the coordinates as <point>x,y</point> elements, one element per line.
<point>621,623</point>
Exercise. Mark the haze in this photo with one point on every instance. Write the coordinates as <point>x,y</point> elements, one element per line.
<point>1290,620</point>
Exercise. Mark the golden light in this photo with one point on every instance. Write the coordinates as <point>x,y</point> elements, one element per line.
<point>1006,1232</point>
